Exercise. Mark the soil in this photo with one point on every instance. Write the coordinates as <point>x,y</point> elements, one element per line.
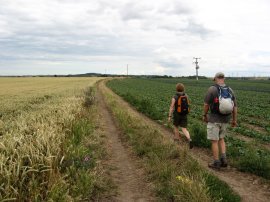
<point>265,145</point>
<point>130,179</point>
<point>256,128</point>
<point>126,171</point>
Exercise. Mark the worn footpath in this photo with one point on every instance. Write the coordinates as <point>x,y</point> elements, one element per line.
<point>126,171</point>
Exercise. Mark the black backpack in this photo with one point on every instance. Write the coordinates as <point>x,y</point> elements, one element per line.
<point>182,105</point>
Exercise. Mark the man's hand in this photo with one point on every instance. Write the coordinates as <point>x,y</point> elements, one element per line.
<point>205,111</point>
<point>169,119</point>
<point>234,123</point>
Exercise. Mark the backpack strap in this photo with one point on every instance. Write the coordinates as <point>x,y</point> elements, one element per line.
<point>230,91</point>
<point>219,89</point>
<point>177,95</point>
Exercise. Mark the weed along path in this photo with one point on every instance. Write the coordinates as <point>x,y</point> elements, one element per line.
<point>251,188</point>
<point>126,172</point>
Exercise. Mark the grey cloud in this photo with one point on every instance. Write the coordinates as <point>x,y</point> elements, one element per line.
<point>197,29</point>
<point>135,11</point>
<point>102,6</point>
<point>170,62</point>
<point>175,8</point>
<point>188,26</point>
<point>71,1</point>
<point>40,40</point>
<point>94,45</point>
<point>32,38</point>
<point>131,15</point>
<point>36,45</point>
<point>180,8</point>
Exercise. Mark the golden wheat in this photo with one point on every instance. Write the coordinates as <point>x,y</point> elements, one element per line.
<point>35,116</point>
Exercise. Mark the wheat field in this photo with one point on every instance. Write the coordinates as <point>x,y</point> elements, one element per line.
<point>35,116</point>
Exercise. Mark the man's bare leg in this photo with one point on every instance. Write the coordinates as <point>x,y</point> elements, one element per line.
<point>222,145</point>
<point>215,150</point>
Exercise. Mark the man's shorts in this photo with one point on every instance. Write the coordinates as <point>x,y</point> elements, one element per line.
<point>215,131</point>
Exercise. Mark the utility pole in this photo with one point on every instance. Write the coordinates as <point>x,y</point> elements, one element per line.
<point>127,70</point>
<point>196,66</point>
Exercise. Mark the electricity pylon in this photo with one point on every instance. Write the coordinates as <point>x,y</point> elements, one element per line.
<point>196,66</point>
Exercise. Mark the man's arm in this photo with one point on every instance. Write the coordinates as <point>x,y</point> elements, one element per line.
<point>205,111</point>
<point>234,112</point>
<point>207,101</point>
<point>234,117</point>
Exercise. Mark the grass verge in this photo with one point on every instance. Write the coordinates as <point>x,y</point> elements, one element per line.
<point>84,149</point>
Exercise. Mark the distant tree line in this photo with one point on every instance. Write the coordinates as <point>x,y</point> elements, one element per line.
<point>138,76</point>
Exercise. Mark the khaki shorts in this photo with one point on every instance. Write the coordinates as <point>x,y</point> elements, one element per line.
<point>215,131</point>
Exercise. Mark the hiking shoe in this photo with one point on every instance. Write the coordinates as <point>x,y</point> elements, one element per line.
<point>190,144</point>
<point>215,165</point>
<point>224,162</point>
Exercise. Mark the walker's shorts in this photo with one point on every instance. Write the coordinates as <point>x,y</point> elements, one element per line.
<point>215,131</point>
<point>179,120</point>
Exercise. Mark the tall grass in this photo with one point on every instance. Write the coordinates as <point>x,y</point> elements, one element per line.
<point>199,135</point>
<point>84,149</point>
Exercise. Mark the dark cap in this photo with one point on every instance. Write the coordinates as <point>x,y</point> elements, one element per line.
<point>219,75</point>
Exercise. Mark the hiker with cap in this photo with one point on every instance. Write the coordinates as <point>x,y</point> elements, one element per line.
<point>221,102</point>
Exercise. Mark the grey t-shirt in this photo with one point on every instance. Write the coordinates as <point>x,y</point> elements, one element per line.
<point>211,94</point>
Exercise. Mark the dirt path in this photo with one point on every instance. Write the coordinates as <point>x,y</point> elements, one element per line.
<point>251,188</point>
<point>126,172</point>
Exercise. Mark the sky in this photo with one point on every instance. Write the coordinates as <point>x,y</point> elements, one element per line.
<point>158,37</point>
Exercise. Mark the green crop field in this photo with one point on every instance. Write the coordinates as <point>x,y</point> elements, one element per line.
<point>248,144</point>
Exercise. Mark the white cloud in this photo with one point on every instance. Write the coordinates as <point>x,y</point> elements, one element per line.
<point>160,36</point>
